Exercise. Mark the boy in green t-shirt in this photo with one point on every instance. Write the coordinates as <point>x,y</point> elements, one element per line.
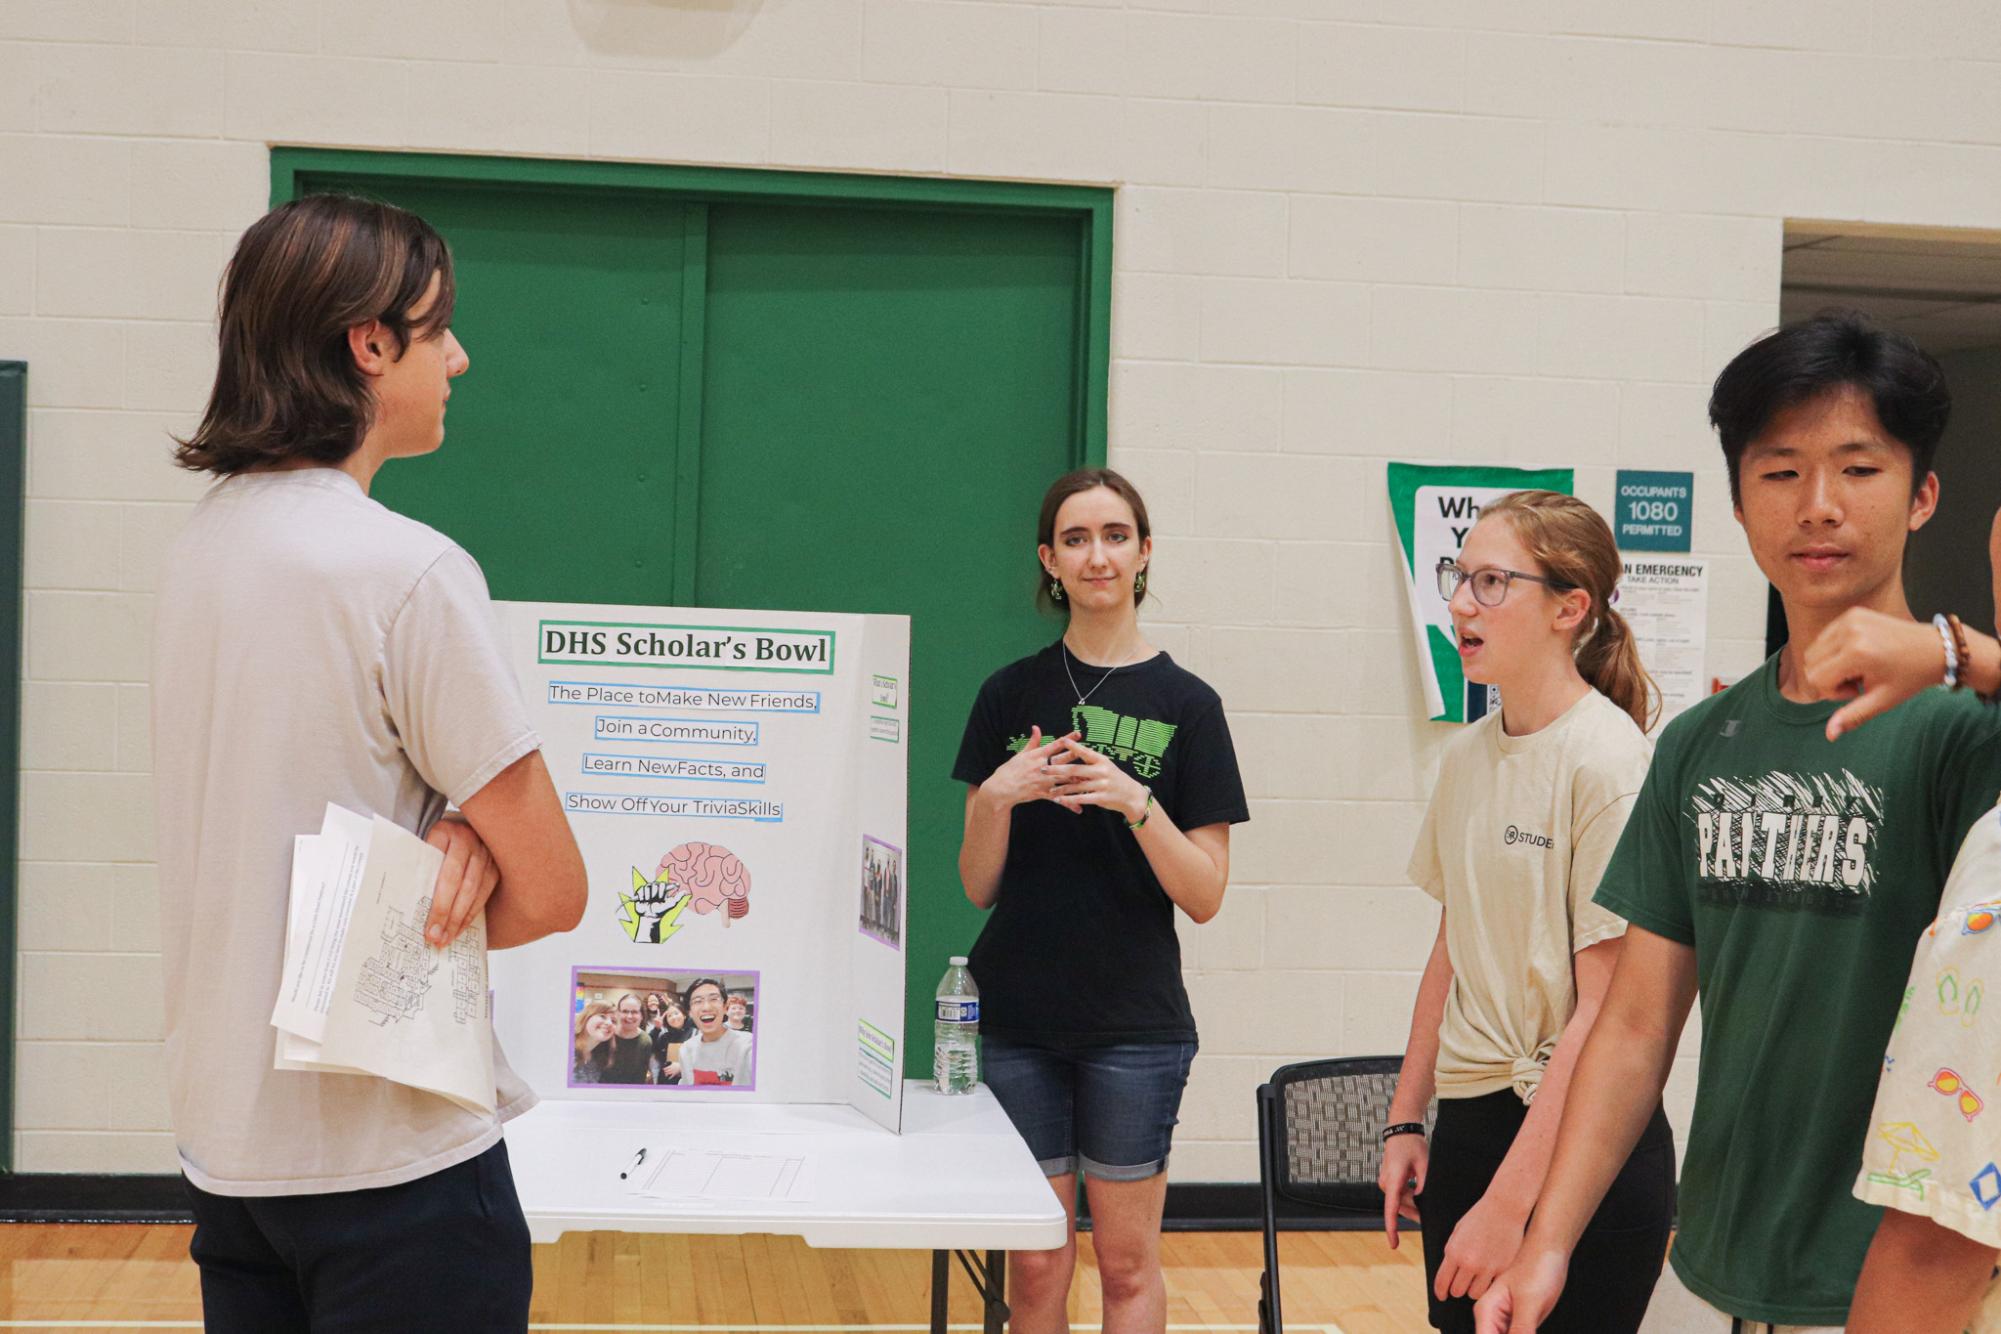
<point>1783,877</point>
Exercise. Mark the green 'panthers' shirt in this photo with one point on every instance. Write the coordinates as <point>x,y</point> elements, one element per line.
<point>1803,872</point>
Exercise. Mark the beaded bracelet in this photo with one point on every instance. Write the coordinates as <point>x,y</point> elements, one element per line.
<point>1961,648</point>
<point>1944,628</point>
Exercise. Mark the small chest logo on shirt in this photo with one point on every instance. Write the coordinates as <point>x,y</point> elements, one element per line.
<point>1138,743</point>
<point>1787,840</point>
<point>1519,837</point>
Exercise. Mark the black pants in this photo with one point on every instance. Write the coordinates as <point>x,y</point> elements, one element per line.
<point>448,1251</point>
<point>1613,1270</point>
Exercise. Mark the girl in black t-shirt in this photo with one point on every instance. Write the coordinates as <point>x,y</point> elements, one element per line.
<point>1102,790</point>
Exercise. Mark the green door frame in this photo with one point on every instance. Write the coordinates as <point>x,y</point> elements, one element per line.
<point>13,499</point>
<point>296,171</point>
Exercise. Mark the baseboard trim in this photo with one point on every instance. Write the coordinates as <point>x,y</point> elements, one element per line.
<point>64,1197</point>
<point>1234,1206</point>
<point>76,1197</point>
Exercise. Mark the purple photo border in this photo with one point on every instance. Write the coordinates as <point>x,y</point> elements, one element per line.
<point>902,905</point>
<point>756,976</point>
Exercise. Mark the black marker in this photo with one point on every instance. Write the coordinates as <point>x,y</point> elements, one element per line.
<point>637,1159</point>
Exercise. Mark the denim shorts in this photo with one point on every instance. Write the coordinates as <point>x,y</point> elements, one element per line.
<point>1107,1111</point>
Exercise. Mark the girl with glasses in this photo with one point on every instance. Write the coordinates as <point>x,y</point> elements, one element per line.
<point>1529,804</point>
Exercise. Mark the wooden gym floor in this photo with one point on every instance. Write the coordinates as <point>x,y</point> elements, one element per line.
<point>138,1277</point>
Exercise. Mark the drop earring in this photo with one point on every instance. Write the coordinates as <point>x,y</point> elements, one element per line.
<point>1055,589</point>
<point>1139,584</point>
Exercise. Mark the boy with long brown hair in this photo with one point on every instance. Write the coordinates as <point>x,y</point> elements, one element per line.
<point>313,647</point>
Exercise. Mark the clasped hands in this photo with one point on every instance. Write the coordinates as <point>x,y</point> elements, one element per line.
<point>1066,771</point>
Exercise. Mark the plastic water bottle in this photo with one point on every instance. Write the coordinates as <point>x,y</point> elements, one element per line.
<point>955,1055</point>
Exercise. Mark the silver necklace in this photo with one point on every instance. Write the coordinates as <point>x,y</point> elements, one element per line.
<point>1083,696</point>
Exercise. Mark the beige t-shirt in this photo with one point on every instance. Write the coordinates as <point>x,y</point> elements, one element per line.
<point>310,647</point>
<point>1517,836</point>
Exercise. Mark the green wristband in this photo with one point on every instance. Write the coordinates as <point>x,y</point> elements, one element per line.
<point>1144,815</point>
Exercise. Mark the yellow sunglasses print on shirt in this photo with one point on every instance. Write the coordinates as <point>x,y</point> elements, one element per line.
<point>1949,1083</point>
<point>1974,920</point>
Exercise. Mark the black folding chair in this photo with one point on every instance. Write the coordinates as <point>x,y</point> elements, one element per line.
<point>1318,1145</point>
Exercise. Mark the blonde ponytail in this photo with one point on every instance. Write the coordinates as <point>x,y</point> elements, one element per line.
<point>1610,661</point>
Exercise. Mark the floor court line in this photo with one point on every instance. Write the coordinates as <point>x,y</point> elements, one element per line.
<point>569,1328</point>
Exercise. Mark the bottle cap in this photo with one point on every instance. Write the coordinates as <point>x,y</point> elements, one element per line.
<point>958,961</point>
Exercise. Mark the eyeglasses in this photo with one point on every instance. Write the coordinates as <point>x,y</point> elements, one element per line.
<point>1490,585</point>
<point>1949,1083</point>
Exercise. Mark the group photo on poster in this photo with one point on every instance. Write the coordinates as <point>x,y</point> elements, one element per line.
<point>882,892</point>
<point>691,1029</point>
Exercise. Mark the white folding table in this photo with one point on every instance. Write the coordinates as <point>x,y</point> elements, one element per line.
<point>958,1179</point>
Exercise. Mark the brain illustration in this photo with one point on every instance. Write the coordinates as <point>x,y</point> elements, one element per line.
<point>714,877</point>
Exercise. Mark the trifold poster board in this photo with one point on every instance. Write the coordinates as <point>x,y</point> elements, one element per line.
<point>736,783</point>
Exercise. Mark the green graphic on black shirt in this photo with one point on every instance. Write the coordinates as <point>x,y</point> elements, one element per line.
<point>1138,743</point>
<point>1787,841</point>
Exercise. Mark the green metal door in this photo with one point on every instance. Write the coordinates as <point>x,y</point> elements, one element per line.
<point>695,397</point>
<point>557,471</point>
<point>886,395</point>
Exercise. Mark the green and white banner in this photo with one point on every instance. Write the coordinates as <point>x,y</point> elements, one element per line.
<point>1435,507</point>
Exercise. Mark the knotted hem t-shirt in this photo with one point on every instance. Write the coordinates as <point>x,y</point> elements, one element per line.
<point>1513,845</point>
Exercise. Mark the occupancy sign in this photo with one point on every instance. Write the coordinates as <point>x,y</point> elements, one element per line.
<point>1653,511</point>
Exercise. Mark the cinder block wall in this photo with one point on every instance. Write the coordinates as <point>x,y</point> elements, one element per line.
<point>1348,231</point>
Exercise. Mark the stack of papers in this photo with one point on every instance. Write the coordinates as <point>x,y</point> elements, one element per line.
<point>363,992</point>
<point>720,1172</point>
